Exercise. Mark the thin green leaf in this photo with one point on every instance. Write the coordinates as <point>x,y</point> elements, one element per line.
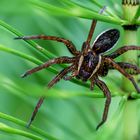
<point>25,56</point>
<point>22,123</point>
<point>73,4</point>
<point>77,11</point>
<point>52,93</point>
<point>20,54</point>
<point>8,129</point>
<point>116,7</point>
<point>43,52</point>
<point>137,15</point>
<point>108,10</point>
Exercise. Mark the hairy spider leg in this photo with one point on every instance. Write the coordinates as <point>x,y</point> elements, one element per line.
<point>60,60</point>
<point>116,66</point>
<point>93,25</point>
<point>58,77</point>
<point>92,82</point>
<point>39,103</point>
<point>107,94</point>
<point>129,68</point>
<point>67,43</point>
<point>74,73</point>
<point>67,78</point>
<point>122,50</point>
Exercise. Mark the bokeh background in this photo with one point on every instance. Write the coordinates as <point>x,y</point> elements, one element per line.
<point>65,118</point>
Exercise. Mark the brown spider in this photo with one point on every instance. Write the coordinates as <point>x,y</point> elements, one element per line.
<point>88,64</point>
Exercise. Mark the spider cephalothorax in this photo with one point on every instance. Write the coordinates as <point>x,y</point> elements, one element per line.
<point>91,57</point>
<point>88,64</point>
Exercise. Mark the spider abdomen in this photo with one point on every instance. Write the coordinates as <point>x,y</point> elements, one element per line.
<point>89,66</point>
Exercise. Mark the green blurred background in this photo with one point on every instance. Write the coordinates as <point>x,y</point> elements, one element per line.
<point>68,119</point>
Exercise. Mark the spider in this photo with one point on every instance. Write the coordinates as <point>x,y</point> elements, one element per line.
<point>88,64</point>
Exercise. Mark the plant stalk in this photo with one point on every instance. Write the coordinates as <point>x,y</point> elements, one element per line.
<point>130,8</point>
<point>130,118</point>
<point>130,121</point>
<point>129,38</point>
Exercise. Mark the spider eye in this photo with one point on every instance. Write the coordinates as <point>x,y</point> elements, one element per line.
<point>106,41</point>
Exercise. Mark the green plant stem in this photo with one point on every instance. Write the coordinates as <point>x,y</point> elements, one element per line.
<point>78,11</point>
<point>137,15</point>
<point>22,123</point>
<point>44,53</point>
<point>129,38</point>
<point>108,11</point>
<point>22,55</point>
<point>130,118</point>
<point>11,130</point>
<point>131,12</point>
<point>25,56</point>
<point>130,121</point>
<point>53,93</point>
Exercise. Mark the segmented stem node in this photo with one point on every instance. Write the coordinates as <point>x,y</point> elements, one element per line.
<point>131,2</point>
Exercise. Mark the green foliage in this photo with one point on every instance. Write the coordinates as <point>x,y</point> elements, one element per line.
<point>67,113</point>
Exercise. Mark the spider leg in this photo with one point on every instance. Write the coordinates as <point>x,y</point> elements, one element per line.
<point>107,94</point>
<point>92,82</point>
<point>66,42</point>
<point>122,50</point>
<point>129,68</point>
<point>39,103</point>
<point>122,71</point>
<point>67,78</point>
<point>93,25</point>
<point>59,76</point>
<point>74,73</point>
<point>86,44</point>
<point>59,60</point>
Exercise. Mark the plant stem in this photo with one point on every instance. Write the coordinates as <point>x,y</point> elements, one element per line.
<point>22,123</point>
<point>11,130</point>
<point>129,38</point>
<point>130,121</point>
<point>78,11</point>
<point>109,11</point>
<point>41,51</point>
<point>130,9</point>
<point>130,118</point>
